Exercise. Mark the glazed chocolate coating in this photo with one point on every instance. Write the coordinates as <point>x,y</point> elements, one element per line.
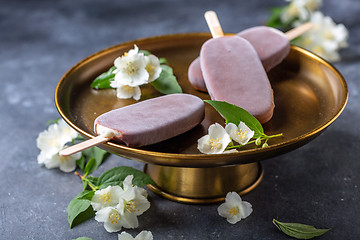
<point>154,120</point>
<point>234,73</point>
<point>195,75</point>
<point>271,45</point>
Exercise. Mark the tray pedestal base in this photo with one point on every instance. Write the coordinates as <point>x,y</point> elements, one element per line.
<point>203,185</point>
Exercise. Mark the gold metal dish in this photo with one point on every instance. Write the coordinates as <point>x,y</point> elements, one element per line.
<point>309,95</point>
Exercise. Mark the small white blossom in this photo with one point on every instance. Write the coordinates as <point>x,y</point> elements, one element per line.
<point>241,134</point>
<point>119,206</point>
<point>130,70</point>
<point>108,197</point>
<point>65,163</point>
<point>67,132</point>
<point>53,140</point>
<point>127,184</point>
<point>215,142</point>
<point>134,202</point>
<point>234,209</point>
<point>299,10</point>
<point>325,38</point>
<point>112,218</point>
<point>134,51</point>
<point>143,235</point>
<point>152,67</point>
<point>125,92</point>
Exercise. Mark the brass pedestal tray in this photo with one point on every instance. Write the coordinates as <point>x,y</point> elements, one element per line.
<point>309,95</point>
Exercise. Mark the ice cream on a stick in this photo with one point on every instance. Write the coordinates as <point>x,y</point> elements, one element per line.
<point>271,45</point>
<point>147,122</point>
<point>233,72</point>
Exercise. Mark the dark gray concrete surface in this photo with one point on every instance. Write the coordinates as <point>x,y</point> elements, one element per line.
<point>316,184</point>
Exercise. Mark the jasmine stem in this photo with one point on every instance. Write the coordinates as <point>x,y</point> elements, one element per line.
<point>263,137</point>
<point>94,188</point>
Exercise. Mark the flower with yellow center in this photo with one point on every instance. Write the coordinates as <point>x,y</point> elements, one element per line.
<point>112,218</point>
<point>130,70</point>
<point>51,141</point>
<point>134,202</point>
<point>240,134</point>
<point>108,197</point>
<point>326,38</point>
<point>234,209</point>
<point>152,67</point>
<point>215,142</point>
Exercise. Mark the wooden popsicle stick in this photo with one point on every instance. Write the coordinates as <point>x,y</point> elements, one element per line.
<point>213,24</point>
<point>83,145</point>
<point>296,32</point>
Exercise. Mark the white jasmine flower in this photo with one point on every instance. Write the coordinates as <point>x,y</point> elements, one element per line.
<point>125,92</point>
<point>152,67</point>
<point>67,132</point>
<point>234,209</point>
<point>325,38</point>
<point>108,197</point>
<point>51,141</point>
<point>241,134</point>
<point>215,142</point>
<point>299,10</point>
<point>133,52</point>
<point>112,218</point>
<point>127,184</point>
<point>143,235</point>
<point>134,201</point>
<point>130,70</point>
<point>65,163</point>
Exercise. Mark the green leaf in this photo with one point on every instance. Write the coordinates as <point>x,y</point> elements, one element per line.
<point>85,195</point>
<point>163,61</point>
<point>83,238</point>
<point>235,114</point>
<point>99,154</point>
<point>116,176</point>
<point>56,121</point>
<point>90,167</point>
<point>166,83</point>
<point>103,80</point>
<point>81,162</point>
<point>79,209</point>
<point>275,18</point>
<point>145,52</point>
<point>298,230</point>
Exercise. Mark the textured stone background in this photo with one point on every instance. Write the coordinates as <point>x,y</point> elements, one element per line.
<point>316,184</point>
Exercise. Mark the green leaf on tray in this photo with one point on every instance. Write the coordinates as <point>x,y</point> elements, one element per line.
<point>166,83</point>
<point>83,238</point>
<point>80,209</point>
<point>103,80</point>
<point>235,114</point>
<point>298,230</point>
<point>116,176</point>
